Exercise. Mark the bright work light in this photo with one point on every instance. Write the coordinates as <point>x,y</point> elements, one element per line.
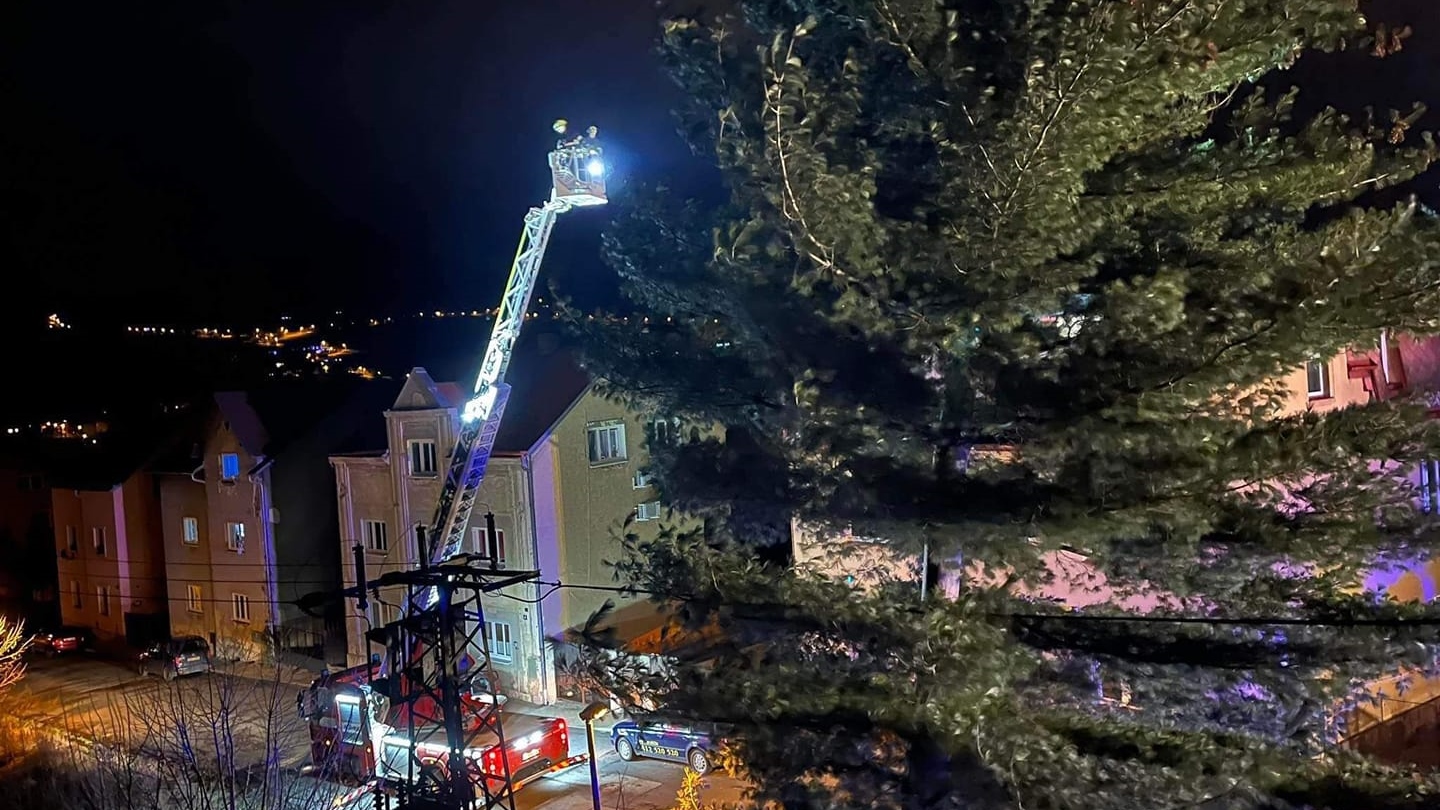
<point>595,168</point>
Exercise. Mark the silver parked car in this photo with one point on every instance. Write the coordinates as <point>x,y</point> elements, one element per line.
<point>187,655</point>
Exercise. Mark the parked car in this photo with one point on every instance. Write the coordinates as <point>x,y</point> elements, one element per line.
<point>694,744</point>
<point>187,655</point>
<point>64,640</point>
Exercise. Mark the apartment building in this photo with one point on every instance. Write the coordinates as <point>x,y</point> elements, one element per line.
<point>568,470</point>
<point>110,569</point>
<point>1400,365</point>
<point>246,515</point>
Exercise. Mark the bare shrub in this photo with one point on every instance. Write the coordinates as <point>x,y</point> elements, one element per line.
<point>230,740</point>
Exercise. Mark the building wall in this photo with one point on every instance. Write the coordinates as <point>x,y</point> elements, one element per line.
<point>384,488</point>
<point>592,502</point>
<point>237,572</point>
<point>1343,389</point>
<point>363,492</point>
<point>81,569</point>
<point>188,564</point>
<point>560,514</point>
<point>130,565</point>
<point>140,548</point>
<point>306,550</point>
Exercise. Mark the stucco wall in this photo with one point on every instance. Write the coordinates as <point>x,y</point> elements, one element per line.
<point>141,546</point>
<point>130,566</point>
<point>384,488</point>
<point>188,564</point>
<point>593,503</point>
<point>235,572</point>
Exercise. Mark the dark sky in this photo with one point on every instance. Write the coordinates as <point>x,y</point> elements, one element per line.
<point>185,159</point>
<point>256,155</point>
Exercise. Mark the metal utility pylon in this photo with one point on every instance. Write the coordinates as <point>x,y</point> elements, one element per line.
<point>428,690</point>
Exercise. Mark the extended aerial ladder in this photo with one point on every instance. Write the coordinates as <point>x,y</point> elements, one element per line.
<point>434,726</point>
<point>578,174</point>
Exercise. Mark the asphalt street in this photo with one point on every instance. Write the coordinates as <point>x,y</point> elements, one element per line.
<point>245,717</point>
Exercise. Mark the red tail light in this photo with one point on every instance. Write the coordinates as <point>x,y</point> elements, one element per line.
<point>564,734</point>
<point>177,660</point>
<point>492,762</point>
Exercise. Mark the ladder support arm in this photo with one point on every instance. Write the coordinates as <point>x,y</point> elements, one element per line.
<point>480,421</point>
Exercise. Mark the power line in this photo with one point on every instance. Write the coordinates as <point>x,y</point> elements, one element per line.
<point>1071,617</point>
<point>1278,621</point>
<point>200,562</point>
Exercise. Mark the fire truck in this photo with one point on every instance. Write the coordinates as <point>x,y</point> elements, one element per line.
<point>400,726</point>
<point>357,736</point>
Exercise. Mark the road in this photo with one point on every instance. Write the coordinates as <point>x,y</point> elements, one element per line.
<point>245,717</point>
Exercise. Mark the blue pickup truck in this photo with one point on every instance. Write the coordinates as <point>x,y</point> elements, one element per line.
<point>694,744</point>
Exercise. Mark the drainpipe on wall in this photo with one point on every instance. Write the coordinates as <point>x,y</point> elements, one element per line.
<point>267,548</point>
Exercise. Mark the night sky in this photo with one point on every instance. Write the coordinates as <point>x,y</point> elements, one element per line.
<point>194,161</point>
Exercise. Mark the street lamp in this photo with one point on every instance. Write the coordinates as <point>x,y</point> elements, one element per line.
<point>590,714</point>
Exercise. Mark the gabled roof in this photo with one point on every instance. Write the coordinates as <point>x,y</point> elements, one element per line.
<point>267,420</point>
<point>545,380</point>
<point>542,390</point>
<point>420,392</point>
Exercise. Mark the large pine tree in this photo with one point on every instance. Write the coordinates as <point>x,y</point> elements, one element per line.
<point>1093,231</point>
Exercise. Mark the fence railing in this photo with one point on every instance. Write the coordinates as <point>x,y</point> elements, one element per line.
<point>1396,731</point>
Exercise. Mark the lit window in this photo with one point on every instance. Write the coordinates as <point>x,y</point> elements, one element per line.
<point>641,480</point>
<point>606,442</point>
<point>229,467</point>
<point>1317,379</point>
<point>102,596</point>
<point>97,538</point>
<point>72,539</point>
<point>499,641</point>
<point>648,511</point>
<point>235,537</point>
<point>373,532</point>
<point>240,607</point>
<point>190,530</point>
<point>422,457</point>
<point>490,548</point>
<point>194,599</point>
